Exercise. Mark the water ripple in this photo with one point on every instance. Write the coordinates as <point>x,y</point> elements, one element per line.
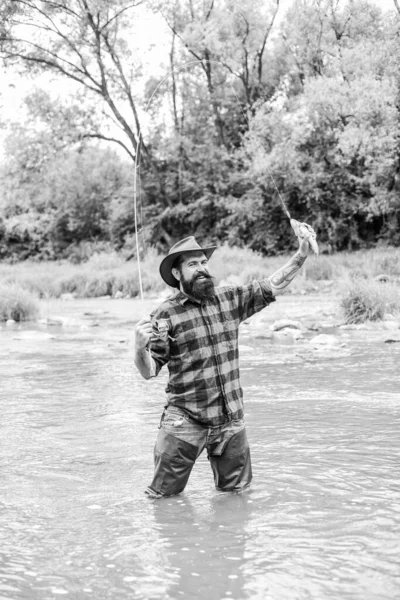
<point>322,519</point>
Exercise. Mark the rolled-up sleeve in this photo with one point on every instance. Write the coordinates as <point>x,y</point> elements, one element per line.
<point>160,353</point>
<point>253,297</point>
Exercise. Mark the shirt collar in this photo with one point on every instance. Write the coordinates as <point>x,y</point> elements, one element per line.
<point>183,298</point>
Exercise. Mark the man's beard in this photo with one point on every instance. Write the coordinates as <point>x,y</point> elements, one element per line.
<point>200,289</point>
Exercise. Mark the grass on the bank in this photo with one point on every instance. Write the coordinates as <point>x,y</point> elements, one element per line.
<point>102,275</point>
<point>351,276</point>
<point>17,303</point>
<point>370,301</point>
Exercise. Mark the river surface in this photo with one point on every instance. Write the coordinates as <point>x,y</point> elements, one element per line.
<point>77,429</point>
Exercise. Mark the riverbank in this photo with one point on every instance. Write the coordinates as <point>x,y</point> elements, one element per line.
<point>309,326</point>
<point>365,285</point>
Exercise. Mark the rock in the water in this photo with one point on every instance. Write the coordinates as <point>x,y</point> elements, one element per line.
<point>382,278</point>
<point>297,335</point>
<point>285,323</point>
<point>10,322</point>
<point>287,334</point>
<point>34,335</point>
<point>51,321</point>
<point>354,326</point>
<point>118,295</point>
<point>325,339</point>
<point>60,321</point>
<point>263,335</point>
<point>391,325</point>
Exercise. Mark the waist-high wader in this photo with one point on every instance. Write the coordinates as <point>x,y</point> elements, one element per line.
<point>180,442</point>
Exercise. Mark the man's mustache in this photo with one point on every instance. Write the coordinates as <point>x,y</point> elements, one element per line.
<point>204,274</point>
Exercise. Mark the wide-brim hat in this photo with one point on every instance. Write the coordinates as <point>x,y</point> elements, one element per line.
<point>186,245</point>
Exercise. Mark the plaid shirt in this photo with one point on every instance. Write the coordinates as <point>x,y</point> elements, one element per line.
<point>200,345</point>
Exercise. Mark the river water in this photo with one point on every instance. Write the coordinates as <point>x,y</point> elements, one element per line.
<point>77,429</point>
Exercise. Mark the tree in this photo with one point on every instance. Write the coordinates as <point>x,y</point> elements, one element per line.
<point>228,43</point>
<point>241,120</point>
<point>55,195</point>
<point>84,41</point>
<point>332,150</point>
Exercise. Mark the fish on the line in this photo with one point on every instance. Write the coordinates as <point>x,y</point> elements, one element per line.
<point>303,230</point>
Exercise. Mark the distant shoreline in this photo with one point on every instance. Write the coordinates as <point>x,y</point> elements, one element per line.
<point>367,283</point>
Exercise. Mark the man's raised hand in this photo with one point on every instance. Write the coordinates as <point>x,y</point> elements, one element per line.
<point>143,333</point>
<point>306,236</point>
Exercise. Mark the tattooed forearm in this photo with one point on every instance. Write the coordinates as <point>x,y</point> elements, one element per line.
<point>287,273</point>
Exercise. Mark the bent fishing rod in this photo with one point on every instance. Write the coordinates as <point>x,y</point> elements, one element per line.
<point>300,229</point>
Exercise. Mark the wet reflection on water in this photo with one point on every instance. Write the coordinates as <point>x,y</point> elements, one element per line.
<point>322,519</point>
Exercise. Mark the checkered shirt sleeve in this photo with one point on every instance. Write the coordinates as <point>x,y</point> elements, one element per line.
<point>201,349</point>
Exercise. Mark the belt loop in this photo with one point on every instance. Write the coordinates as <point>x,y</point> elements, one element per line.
<point>163,415</point>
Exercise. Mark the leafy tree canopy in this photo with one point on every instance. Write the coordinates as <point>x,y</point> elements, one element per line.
<point>241,115</point>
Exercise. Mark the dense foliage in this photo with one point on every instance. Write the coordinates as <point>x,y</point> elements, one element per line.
<point>254,113</point>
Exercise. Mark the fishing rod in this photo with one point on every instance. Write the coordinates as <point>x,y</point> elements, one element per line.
<point>296,225</point>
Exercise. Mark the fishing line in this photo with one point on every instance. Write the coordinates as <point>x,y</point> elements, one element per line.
<point>267,167</point>
<point>135,214</point>
<point>138,149</point>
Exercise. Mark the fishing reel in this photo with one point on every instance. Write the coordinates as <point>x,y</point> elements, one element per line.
<point>160,330</point>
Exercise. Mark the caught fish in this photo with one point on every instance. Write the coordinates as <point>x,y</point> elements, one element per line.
<point>302,230</point>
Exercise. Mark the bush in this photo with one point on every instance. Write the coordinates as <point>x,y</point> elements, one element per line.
<point>17,303</point>
<point>369,301</point>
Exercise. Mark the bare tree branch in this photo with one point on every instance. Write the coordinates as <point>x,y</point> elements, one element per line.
<point>260,53</point>
<point>52,64</point>
<point>176,33</point>
<point>100,136</point>
<point>114,17</point>
<point>104,85</point>
<point>51,4</point>
<point>83,71</point>
<point>205,63</point>
<point>210,9</point>
<point>54,29</point>
<point>125,86</point>
<point>71,58</point>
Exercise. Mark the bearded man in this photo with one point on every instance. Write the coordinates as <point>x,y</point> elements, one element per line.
<point>195,333</point>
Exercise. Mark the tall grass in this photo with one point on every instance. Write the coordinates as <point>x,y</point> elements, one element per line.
<point>368,263</point>
<point>17,303</point>
<point>106,273</point>
<point>103,274</point>
<point>370,301</point>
